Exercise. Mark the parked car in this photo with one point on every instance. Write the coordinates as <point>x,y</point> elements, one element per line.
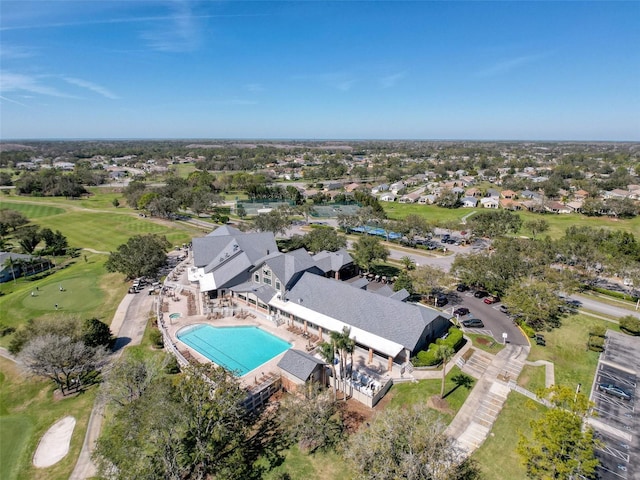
<point>444,238</point>
<point>480,294</point>
<point>614,390</point>
<point>539,339</point>
<point>441,301</point>
<point>504,309</point>
<point>461,311</point>
<point>462,287</point>
<point>472,323</point>
<point>491,299</point>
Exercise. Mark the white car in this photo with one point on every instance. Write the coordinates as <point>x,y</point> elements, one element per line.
<point>627,282</point>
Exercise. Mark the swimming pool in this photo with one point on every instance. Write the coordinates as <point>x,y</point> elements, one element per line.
<point>238,349</point>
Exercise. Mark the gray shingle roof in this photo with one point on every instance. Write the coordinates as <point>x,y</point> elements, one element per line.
<point>333,261</point>
<point>263,292</point>
<point>299,364</point>
<point>287,266</point>
<point>386,317</point>
<point>229,254</point>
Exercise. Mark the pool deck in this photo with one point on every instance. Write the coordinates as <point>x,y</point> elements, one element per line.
<point>178,282</point>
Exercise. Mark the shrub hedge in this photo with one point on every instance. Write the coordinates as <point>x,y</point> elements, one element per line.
<point>611,293</point>
<point>427,358</point>
<point>630,324</point>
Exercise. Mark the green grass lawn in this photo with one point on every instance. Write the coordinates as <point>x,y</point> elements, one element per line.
<point>403,394</point>
<point>485,342</point>
<point>567,349</point>
<point>317,466</point>
<point>102,230</point>
<point>497,455</point>
<point>27,410</point>
<point>557,223</point>
<point>532,378</point>
<point>89,291</point>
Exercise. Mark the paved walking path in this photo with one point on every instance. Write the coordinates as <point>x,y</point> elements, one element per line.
<point>474,420</point>
<point>127,319</point>
<point>549,372</point>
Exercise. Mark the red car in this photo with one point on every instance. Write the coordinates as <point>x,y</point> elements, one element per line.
<point>491,299</point>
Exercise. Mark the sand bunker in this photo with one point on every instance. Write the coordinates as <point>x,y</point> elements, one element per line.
<point>54,444</point>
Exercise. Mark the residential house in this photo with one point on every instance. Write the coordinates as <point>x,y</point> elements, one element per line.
<point>16,265</point>
<point>509,204</point>
<point>388,197</point>
<point>508,194</point>
<point>350,187</point>
<point>469,202</point>
<point>490,202</point>
<point>427,199</point>
<point>557,207</point>
<point>396,187</point>
<point>412,197</point>
<point>529,195</point>
<point>383,187</point>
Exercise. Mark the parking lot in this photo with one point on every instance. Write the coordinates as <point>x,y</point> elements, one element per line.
<point>616,419</point>
<point>495,322</point>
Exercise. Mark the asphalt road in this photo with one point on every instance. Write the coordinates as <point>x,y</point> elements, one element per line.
<point>495,322</point>
<point>594,305</point>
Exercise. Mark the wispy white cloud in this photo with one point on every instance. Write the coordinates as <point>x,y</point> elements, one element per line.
<point>92,87</point>
<point>5,99</point>
<point>17,82</point>
<point>180,32</point>
<point>15,51</point>
<point>107,21</point>
<point>507,66</point>
<point>254,87</point>
<point>338,80</point>
<point>391,80</point>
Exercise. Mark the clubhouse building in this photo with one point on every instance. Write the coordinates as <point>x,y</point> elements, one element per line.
<point>314,294</point>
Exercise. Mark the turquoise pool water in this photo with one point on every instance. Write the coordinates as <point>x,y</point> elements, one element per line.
<point>238,349</point>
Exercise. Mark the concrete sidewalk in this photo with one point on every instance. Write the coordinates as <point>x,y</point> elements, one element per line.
<point>474,420</point>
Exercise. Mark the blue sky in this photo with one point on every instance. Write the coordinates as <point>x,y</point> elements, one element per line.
<point>341,70</point>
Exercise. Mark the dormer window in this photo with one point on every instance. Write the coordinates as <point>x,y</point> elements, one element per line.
<point>266,273</point>
<point>256,278</point>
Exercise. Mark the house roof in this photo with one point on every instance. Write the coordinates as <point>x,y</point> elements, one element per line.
<point>365,312</point>
<point>227,253</point>
<point>263,292</point>
<point>5,256</point>
<point>299,364</point>
<point>332,261</point>
<point>285,266</point>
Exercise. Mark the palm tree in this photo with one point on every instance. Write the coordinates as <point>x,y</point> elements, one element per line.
<point>344,345</point>
<point>408,263</point>
<point>10,263</point>
<point>444,353</point>
<point>328,354</point>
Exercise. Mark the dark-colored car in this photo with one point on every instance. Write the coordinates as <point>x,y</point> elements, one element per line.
<point>462,287</point>
<point>491,299</point>
<point>480,294</point>
<point>444,238</point>
<point>472,323</point>
<point>462,311</point>
<point>441,301</point>
<point>614,390</point>
<point>539,339</point>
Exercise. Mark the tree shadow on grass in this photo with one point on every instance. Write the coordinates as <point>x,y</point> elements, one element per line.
<point>461,380</point>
